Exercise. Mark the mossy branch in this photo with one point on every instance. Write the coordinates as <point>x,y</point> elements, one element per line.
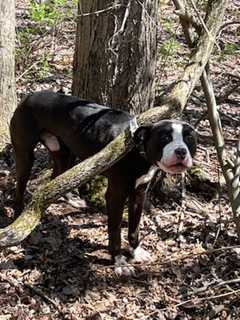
<point>82,172</point>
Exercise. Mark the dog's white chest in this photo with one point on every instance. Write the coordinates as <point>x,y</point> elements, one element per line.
<point>146,177</point>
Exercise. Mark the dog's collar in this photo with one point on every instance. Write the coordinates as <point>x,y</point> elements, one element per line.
<point>133,125</point>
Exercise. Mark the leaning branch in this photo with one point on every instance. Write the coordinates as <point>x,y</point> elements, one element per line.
<point>82,172</point>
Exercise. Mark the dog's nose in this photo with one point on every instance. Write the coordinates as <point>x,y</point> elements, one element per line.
<point>181,153</point>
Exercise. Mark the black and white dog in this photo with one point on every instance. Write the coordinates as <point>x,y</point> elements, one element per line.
<point>73,128</point>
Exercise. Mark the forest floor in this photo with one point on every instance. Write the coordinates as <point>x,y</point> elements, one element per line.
<point>63,270</point>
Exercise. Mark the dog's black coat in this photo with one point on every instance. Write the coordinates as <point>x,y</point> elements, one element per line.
<point>82,129</point>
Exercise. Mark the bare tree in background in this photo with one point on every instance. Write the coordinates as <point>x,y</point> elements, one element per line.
<point>115,56</point>
<point>7,67</point>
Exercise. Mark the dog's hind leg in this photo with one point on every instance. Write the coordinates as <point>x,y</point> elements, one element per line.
<point>24,161</point>
<point>24,137</point>
<point>61,156</point>
<point>63,159</point>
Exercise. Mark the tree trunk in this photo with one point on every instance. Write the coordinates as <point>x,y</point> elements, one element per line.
<point>7,67</point>
<point>115,56</point>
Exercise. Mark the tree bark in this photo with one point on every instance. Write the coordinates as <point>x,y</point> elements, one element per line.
<point>115,56</point>
<point>85,170</point>
<point>7,67</point>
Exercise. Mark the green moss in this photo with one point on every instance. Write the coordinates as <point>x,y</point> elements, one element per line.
<point>197,173</point>
<point>94,192</point>
<point>125,213</point>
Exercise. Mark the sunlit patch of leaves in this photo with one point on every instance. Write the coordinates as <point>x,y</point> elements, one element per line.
<point>231,49</point>
<point>24,45</point>
<point>169,47</point>
<point>51,12</point>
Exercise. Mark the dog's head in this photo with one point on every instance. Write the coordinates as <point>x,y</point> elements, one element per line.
<point>169,144</point>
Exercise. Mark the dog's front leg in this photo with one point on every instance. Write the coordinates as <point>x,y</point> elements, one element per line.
<point>136,203</point>
<point>115,199</point>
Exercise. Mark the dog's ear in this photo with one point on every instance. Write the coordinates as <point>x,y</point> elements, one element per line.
<point>141,134</point>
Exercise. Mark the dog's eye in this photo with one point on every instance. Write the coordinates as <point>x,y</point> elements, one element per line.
<point>166,138</point>
<point>188,137</point>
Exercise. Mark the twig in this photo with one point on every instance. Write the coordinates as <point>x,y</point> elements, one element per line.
<point>180,225</point>
<point>203,23</point>
<point>220,211</point>
<point>184,22</point>
<point>219,100</point>
<point>126,14</point>
<point>113,40</point>
<point>182,209</point>
<point>224,26</point>
<point>194,254</point>
<point>207,137</point>
<point>17,283</point>
<point>228,117</point>
<point>197,300</point>
<point>229,92</point>
<point>174,260</point>
<point>41,294</point>
<point>100,11</point>
<point>235,181</point>
<point>27,70</point>
<point>146,12</point>
<point>189,19</point>
<point>233,75</point>
<point>227,24</point>
<point>223,283</point>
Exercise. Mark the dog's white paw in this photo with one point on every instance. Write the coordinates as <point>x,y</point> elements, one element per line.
<point>141,255</point>
<point>122,268</point>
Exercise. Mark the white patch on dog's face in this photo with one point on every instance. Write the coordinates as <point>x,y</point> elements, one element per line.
<point>170,162</point>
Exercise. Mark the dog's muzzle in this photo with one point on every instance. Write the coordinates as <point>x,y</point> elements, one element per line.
<point>179,161</point>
